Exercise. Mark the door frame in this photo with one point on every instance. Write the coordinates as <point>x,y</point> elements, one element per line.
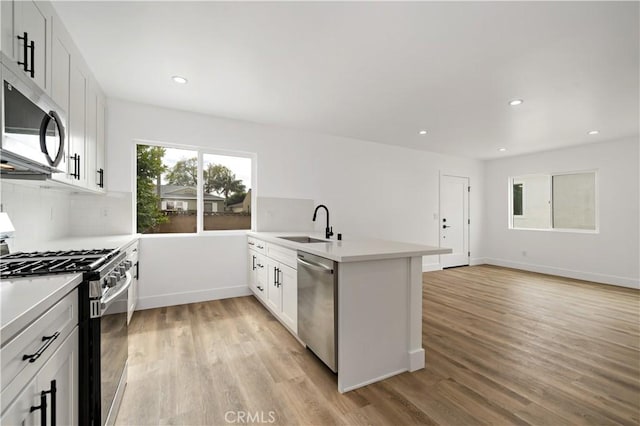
<point>458,175</point>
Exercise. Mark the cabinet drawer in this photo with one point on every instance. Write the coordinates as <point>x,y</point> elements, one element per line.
<point>282,254</point>
<point>257,245</point>
<point>29,350</point>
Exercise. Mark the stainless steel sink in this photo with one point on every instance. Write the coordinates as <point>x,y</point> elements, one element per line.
<point>304,240</point>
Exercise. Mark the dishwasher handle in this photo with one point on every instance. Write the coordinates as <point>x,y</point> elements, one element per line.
<point>316,266</point>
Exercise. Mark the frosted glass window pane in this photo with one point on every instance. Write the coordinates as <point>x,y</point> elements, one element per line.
<point>574,201</point>
<point>536,202</point>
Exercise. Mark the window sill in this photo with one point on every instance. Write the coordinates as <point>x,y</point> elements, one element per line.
<point>237,232</point>
<point>559,230</point>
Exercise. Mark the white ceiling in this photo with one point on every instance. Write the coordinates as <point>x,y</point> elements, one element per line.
<point>380,71</point>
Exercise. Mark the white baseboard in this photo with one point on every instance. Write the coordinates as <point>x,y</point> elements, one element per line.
<point>416,359</point>
<point>368,382</point>
<point>477,261</point>
<point>579,275</point>
<point>429,267</point>
<point>173,299</point>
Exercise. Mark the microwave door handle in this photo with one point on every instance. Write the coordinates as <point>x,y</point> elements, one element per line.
<point>44,125</point>
<point>61,138</point>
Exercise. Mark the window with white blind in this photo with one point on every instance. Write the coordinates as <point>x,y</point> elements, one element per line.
<point>560,201</point>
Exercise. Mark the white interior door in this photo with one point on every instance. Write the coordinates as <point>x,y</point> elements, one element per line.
<point>454,220</point>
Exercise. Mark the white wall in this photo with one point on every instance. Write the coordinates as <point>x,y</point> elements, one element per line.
<point>38,214</point>
<point>610,256</point>
<point>371,190</point>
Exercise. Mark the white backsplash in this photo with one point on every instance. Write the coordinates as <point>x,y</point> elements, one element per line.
<point>284,214</point>
<point>108,214</point>
<point>38,214</point>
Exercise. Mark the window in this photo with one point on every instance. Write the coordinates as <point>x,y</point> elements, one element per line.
<point>189,190</point>
<point>517,199</point>
<point>564,201</point>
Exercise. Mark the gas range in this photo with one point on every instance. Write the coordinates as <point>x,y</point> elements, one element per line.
<point>54,262</point>
<point>103,301</point>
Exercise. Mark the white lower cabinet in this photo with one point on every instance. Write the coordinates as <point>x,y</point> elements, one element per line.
<point>289,289</point>
<point>275,283</point>
<point>258,275</point>
<point>53,391</point>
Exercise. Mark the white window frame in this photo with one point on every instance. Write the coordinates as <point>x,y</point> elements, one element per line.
<point>201,151</point>
<point>513,179</point>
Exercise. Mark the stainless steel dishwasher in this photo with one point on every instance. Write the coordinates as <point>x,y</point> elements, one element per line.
<point>318,307</point>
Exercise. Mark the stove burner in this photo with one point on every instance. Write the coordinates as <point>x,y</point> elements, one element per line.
<point>53,262</point>
<point>60,253</point>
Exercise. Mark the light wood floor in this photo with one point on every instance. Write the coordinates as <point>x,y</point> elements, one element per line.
<point>502,347</point>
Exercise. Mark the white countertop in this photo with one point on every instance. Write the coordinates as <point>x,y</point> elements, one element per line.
<point>351,249</point>
<point>78,243</point>
<point>22,300</point>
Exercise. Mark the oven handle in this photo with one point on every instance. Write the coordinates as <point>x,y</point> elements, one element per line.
<point>104,304</point>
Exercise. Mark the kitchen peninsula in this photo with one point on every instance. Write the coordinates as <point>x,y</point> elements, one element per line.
<point>378,299</point>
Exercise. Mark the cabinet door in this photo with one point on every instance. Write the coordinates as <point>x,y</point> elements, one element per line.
<point>91,137</point>
<point>251,277</point>
<point>289,288</point>
<point>8,29</point>
<point>62,369</point>
<point>60,71</point>
<point>261,277</point>
<point>274,291</point>
<point>100,145</point>
<point>30,19</point>
<point>19,412</point>
<point>77,135</point>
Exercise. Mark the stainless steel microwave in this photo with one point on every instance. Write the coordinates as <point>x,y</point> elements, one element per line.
<point>33,133</point>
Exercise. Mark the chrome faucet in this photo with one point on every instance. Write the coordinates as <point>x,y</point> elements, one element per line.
<point>328,231</point>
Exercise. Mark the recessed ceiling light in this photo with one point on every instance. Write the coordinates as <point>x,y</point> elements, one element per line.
<point>502,149</point>
<point>594,132</point>
<point>516,102</point>
<point>422,132</point>
<point>178,79</point>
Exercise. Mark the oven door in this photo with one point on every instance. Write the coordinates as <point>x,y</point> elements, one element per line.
<point>113,350</point>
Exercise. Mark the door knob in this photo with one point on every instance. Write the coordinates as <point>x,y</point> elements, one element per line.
<point>445,226</point>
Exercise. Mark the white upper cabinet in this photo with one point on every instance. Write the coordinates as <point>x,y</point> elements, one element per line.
<point>77,125</point>
<point>49,57</point>
<point>25,38</point>
<point>100,142</point>
<point>91,128</point>
<point>94,120</point>
<point>61,48</point>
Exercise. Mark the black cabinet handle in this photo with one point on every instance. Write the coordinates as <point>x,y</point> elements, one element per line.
<point>32,46</point>
<point>42,407</point>
<point>53,392</point>
<point>76,166</point>
<point>74,157</point>
<point>101,178</point>
<point>25,47</point>
<point>254,263</point>
<point>48,341</point>
<point>278,282</point>
<point>445,226</point>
